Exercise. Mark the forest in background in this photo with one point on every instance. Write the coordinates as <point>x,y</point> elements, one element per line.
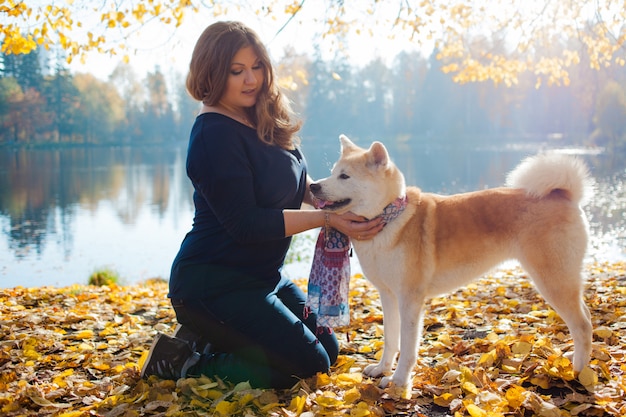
<point>42,102</point>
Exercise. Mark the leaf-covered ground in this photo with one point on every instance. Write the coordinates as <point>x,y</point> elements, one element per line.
<point>491,349</point>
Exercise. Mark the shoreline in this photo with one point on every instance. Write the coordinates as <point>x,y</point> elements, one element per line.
<point>298,271</point>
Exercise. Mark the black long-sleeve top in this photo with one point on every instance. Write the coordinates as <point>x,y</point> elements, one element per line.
<point>241,186</point>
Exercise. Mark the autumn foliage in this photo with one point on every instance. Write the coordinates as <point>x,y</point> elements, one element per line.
<point>477,40</point>
<point>494,348</point>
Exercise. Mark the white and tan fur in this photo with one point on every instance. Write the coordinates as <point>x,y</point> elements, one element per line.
<point>440,243</point>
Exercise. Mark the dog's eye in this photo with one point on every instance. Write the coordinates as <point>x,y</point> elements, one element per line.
<point>344,176</point>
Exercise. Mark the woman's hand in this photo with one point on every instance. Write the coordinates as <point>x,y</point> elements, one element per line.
<point>355,227</point>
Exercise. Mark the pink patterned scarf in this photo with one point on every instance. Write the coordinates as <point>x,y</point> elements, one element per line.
<point>330,274</point>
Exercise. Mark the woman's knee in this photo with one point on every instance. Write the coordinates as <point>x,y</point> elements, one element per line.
<point>319,354</point>
<point>328,339</point>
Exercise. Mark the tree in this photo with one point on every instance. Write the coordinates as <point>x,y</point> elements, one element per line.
<point>610,117</point>
<point>293,74</point>
<point>133,94</point>
<point>188,109</point>
<point>26,68</point>
<point>23,118</point>
<point>330,107</point>
<point>10,91</point>
<point>158,117</point>
<point>408,73</point>
<point>438,94</point>
<point>100,111</point>
<point>528,29</point>
<point>372,99</point>
<point>62,103</point>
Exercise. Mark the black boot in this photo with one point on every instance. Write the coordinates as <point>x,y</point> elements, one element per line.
<point>169,358</point>
<point>195,341</point>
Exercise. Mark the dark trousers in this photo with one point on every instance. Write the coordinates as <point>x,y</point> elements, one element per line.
<point>258,334</point>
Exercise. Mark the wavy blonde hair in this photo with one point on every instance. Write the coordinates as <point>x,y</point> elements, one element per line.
<point>208,74</point>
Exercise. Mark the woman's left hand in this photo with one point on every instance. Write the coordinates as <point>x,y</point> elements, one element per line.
<point>356,227</point>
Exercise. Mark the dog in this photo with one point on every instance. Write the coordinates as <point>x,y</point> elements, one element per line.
<point>438,243</point>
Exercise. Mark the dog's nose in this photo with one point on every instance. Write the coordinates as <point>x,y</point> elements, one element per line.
<point>315,187</point>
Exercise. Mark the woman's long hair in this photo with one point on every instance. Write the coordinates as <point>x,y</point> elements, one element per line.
<point>208,75</point>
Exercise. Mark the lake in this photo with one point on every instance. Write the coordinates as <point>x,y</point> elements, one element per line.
<point>65,213</point>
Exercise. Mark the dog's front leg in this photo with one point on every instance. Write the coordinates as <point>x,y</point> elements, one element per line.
<point>391,324</point>
<point>411,330</point>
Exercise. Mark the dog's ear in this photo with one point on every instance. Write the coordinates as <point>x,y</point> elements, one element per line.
<point>378,155</point>
<point>346,144</point>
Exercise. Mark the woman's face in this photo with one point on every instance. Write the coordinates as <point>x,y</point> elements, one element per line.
<point>244,81</point>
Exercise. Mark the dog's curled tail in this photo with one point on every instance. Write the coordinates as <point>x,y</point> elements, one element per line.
<point>544,173</point>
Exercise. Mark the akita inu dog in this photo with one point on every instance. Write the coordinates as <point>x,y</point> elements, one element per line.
<point>438,243</point>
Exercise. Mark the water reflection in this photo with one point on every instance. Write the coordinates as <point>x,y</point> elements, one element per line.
<point>59,206</point>
<point>66,212</point>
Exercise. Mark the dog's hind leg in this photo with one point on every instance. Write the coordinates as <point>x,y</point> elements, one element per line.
<point>391,324</point>
<point>562,288</point>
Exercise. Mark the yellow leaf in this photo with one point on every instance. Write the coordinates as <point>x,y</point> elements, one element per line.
<point>487,359</point>
<point>226,408</point>
<point>365,349</point>
<point>444,399</point>
<point>119,368</point>
<point>142,359</point>
<point>475,411</point>
<point>323,379</point>
<point>349,380</point>
<point>469,387</point>
<point>466,375</point>
<point>493,337</point>
<point>100,366</point>
<point>521,348</point>
<point>352,395</point>
<point>83,334</point>
<point>29,349</point>
<point>85,347</point>
<point>445,339</point>
<point>213,394</point>
<point>561,367</point>
<point>541,380</point>
<point>297,404</point>
<point>107,331</point>
<point>515,396</point>
<point>361,410</point>
<point>328,400</point>
<point>195,402</point>
<point>588,377</point>
<point>77,413</point>
<point>266,408</point>
<point>511,366</point>
<point>603,332</point>
<point>10,406</point>
<point>60,378</point>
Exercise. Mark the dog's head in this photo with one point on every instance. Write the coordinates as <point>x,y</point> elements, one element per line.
<point>363,181</point>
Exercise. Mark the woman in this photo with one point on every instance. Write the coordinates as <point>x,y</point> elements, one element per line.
<point>238,317</point>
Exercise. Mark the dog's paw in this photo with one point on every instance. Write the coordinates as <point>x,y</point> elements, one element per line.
<point>384,382</point>
<point>375,370</point>
<point>395,390</point>
<point>571,356</point>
